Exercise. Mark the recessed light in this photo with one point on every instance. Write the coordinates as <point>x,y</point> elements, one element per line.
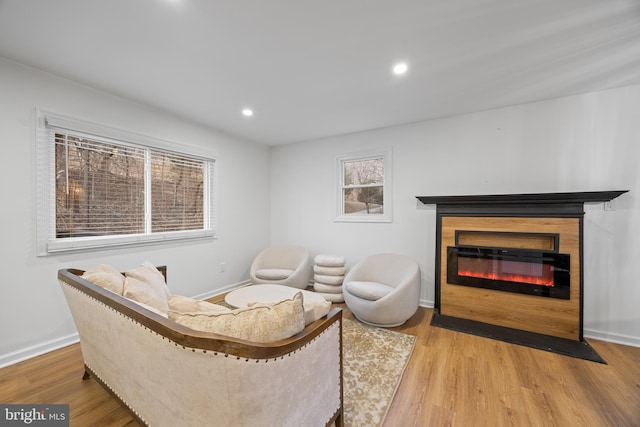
<point>400,68</point>
<point>247,112</point>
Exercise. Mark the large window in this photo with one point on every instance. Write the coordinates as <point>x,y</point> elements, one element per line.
<point>97,188</point>
<point>364,192</point>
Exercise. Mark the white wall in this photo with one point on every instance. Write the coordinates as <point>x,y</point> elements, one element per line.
<point>580,143</point>
<point>33,313</point>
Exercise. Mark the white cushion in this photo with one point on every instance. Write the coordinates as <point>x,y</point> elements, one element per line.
<point>103,268</point>
<point>273,273</point>
<point>152,309</point>
<point>263,323</point>
<point>371,291</point>
<point>145,293</point>
<point>150,275</point>
<point>329,260</point>
<point>189,305</point>
<point>329,271</point>
<point>328,280</point>
<point>313,309</point>
<point>328,289</point>
<point>112,281</point>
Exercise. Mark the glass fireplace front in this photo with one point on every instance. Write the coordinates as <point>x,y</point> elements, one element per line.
<point>526,271</point>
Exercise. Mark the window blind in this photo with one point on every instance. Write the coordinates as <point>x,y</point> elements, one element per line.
<point>99,187</point>
<point>97,191</point>
<point>177,186</point>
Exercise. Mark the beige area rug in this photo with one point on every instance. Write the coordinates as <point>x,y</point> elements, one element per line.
<point>374,360</point>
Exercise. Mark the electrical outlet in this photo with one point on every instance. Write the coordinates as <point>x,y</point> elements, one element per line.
<point>223,266</point>
<point>610,205</point>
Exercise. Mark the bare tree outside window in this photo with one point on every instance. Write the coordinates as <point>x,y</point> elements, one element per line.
<point>363,186</point>
<point>176,193</point>
<point>100,189</point>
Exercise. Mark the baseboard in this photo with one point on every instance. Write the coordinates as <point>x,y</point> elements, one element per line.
<point>37,350</point>
<point>612,337</point>
<point>426,303</point>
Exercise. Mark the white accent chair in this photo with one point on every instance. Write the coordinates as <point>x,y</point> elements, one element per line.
<point>383,289</point>
<point>282,265</point>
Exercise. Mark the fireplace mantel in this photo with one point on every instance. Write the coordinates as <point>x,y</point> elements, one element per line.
<point>531,198</point>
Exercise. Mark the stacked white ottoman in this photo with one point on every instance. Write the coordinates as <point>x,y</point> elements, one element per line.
<point>328,274</point>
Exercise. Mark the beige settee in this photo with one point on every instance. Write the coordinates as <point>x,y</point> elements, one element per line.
<point>168,374</point>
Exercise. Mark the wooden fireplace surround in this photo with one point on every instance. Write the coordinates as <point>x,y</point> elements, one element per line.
<point>549,316</point>
<point>549,221</point>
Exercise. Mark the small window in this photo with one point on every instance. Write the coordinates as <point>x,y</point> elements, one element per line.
<point>98,191</point>
<point>364,193</point>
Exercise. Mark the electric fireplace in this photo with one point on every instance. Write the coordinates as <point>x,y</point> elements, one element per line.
<point>532,272</point>
<point>510,267</point>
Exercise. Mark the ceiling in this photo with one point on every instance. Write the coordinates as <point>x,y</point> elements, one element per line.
<point>313,69</point>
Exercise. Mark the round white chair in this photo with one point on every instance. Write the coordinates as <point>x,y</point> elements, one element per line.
<point>383,290</point>
<point>282,265</point>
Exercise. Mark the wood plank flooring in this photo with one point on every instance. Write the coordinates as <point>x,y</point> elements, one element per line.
<point>453,379</point>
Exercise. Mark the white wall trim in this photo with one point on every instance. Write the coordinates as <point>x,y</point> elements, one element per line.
<point>37,350</point>
<point>612,337</point>
<point>426,303</point>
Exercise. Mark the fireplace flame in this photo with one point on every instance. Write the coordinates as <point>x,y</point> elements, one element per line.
<point>505,277</point>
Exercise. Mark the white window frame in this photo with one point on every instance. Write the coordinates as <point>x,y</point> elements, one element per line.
<point>387,215</point>
<point>48,244</point>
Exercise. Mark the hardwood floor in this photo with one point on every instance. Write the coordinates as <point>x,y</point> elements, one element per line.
<point>453,379</point>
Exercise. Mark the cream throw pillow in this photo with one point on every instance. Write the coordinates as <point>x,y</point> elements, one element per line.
<point>103,268</point>
<point>313,309</point>
<point>189,305</point>
<point>151,294</point>
<point>150,275</point>
<point>108,279</point>
<point>263,324</point>
<point>153,309</point>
